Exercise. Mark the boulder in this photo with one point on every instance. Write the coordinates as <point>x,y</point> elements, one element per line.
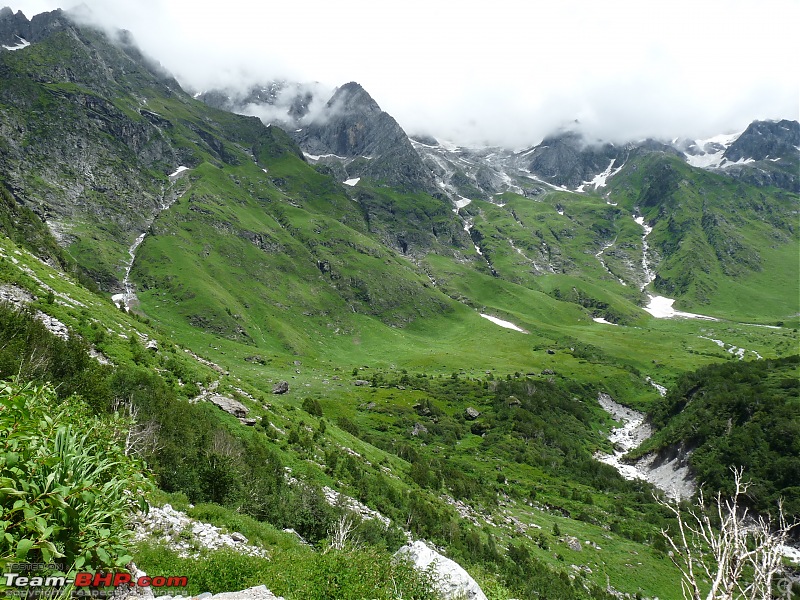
<point>130,591</point>
<point>229,405</point>
<point>259,592</point>
<point>419,428</point>
<point>470,414</point>
<point>361,382</point>
<point>573,544</point>
<point>281,387</point>
<point>452,581</point>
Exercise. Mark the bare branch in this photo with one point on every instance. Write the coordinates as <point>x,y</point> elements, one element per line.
<point>727,554</point>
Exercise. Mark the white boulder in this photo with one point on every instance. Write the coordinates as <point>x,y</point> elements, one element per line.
<point>452,581</point>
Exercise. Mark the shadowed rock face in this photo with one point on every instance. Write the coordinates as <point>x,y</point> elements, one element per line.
<point>775,148</point>
<point>353,126</point>
<point>763,140</point>
<point>566,160</point>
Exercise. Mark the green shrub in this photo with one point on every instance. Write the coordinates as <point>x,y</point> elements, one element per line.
<point>295,573</point>
<point>67,488</point>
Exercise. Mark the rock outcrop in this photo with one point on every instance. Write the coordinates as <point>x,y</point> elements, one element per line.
<point>188,536</point>
<point>281,387</point>
<point>229,405</point>
<point>470,414</point>
<point>766,154</point>
<point>354,127</point>
<point>452,581</point>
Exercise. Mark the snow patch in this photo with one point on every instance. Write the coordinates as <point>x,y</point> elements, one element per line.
<point>461,202</point>
<point>713,157</point>
<point>600,179</point>
<point>23,43</point>
<point>352,182</point>
<point>742,161</point>
<point>603,321</point>
<point>316,157</point>
<point>661,308</point>
<point>502,323</point>
<point>178,171</point>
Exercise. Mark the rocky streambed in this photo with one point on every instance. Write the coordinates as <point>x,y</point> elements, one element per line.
<point>668,471</point>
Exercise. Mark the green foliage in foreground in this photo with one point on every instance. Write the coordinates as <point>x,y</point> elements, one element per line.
<point>741,414</point>
<point>298,573</point>
<point>67,488</point>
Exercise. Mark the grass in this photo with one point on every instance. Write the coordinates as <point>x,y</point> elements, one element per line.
<point>265,262</point>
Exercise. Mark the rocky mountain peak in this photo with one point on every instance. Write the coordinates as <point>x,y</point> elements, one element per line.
<point>352,98</point>
<point>766,139</point>
<point>13,27</point>
<point>353,127</point>
<point>567,159</point>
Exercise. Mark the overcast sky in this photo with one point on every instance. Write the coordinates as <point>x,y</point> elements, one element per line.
<point>503,71</point>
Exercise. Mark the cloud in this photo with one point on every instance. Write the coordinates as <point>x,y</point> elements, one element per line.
<point>508,72</point>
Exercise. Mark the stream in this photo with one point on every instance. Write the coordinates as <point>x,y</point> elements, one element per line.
<point>670,475</point>
<point>599,256</point>
<point>128,297</point>
<point>125,299</point>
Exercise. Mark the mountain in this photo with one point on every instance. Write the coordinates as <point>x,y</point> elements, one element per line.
<point>349,133</point>
<point>342,322</point>
<point>767,153</point>
<point>353,126</point>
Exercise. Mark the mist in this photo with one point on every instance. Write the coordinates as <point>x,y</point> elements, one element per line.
<point>507,74</point>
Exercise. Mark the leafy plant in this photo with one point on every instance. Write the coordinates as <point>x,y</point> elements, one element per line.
<point>67,489</point>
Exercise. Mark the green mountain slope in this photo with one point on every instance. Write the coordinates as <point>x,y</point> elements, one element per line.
<point>738,416</point>
<point>715,239</point>
<point>370,303</point>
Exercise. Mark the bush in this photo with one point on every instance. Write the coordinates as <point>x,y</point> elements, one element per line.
<point>295,573</point>
<point>66,486</point>
<point>312,407</point>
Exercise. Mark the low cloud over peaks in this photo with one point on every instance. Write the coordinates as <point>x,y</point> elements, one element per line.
<point>508,74</point>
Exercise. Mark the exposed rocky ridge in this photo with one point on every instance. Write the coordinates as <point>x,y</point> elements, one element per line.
<point>769,153</point>
<point>353,126</point>
<point>566,160</point>
<point>763,140</point>
<point>16,26</point>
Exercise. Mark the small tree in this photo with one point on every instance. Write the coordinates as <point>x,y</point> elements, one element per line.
<point>740,557</point>
<point>340,531</point>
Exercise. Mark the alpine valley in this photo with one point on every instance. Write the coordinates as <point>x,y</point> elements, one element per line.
<point>318,324</point>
